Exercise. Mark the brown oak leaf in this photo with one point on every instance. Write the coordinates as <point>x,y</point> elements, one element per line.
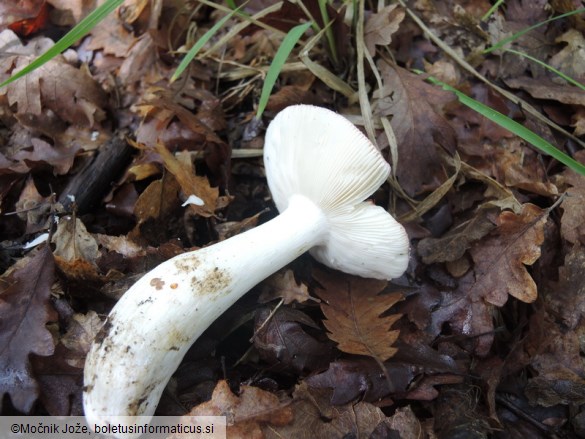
<point>315,417</point>
<point>573,205</point>
<point>500,270</point>
<point>501,259</point>
<point>381,26</point>
<point>247,412</point>
<point>353,308</point>
<point>68,91</point>
<point>414,107</point>
<point>190,183</point>
<point>455,242</point>
<point>283,285</point>
<point>25,310</point>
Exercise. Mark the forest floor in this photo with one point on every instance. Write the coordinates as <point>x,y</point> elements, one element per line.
<point>483,336</point>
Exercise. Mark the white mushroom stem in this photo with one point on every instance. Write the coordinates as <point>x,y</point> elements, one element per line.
<point>151,327</point>
<point>320,169</point>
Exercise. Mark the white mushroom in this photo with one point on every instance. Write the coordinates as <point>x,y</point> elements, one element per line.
<point>320,169</point>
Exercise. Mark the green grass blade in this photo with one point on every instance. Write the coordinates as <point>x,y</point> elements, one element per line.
<point>329,31</point>
<point>546,66</point>
<point>513,126</point>
<point>289,42</point>
<point>511,38</point>
<point>79,31</point>
<point>200,43</point>
<point>493,9</point>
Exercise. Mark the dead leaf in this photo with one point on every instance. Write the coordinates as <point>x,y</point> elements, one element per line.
<point>11,12</point>
<point>156,203</point>
<point>73,242</point>
<point>190,183</point>
<point>58,86</point>
<point>316,418</point>
<point>559,386</point>
<point>247,412</point>
<point>120,244</point>
<point>578,122</point>
<point>542,88</point>
<point>360,379</point>
<point>381,26</point>
<point>42,153</point>
<point>501,259</point>
<point>79,336</point>
<point>33,23</point>
<point>231,228</point>
<point>33,208</point>
<point>457,240</point>
<point>573,205</point>
<point>566,298</point>
<point>571,59</point>
<point>284,286</point>
<point>281,340</point>
<point>353,308</point>
<point>60,382</point>
<point>418,126</point>
<point>25,311</point>
<point>78,9</point>
<point>76,251</point>
<point>290,95</point>
<point>112,37</point>
<point>500,270</point>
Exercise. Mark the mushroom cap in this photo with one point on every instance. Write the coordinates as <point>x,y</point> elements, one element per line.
<point>314,152</point>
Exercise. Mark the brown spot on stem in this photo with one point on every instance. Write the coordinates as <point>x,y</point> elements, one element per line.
<point>215,281</point>
<point>187,264</point>
<point>157,283</point>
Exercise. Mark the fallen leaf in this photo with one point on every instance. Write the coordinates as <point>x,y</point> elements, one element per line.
<point>32,24</point>
<point>68,91</point>
<point>111,37</point>
<point>282,341</point>
<point>42,153</point>
<point>156,203</point>
<point>11,12</point>
<point>559,386</point>
<point>566,298</point>
<point>73,242</point>
<point>316,418</point>
<point>33,208</point>
<point>578,122</point>
<point>284,286</point>
<point>501,259</point>
<point>418,126</point>
<point>290,95</point>
<point>79,9</point>
<point>542,88</point>
<point>247,412</point>
<point>573,205</point>
<point>120,244</point>
<point>190,183</point>
<point>353,308</point>
<point>381,26</point>
<point>80,334</point>
<point>571,59</point>
<point>500,270</point>
<point>25,311</point>
<point>60,382</point>
<point>457,240</point>
<point>360,379</point>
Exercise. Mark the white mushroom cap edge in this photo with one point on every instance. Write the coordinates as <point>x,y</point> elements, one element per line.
<point>320,169</point>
